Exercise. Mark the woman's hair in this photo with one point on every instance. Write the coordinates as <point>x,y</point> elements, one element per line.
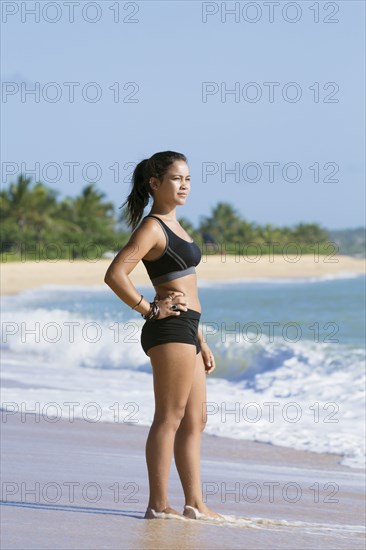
<point>156,166</point>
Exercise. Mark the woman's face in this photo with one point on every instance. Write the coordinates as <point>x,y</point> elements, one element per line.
<point>175,186</point>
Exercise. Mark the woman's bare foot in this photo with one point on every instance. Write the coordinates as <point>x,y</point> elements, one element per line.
<point>206,511</point>
<point>169,510</point>
<point>151,513</point>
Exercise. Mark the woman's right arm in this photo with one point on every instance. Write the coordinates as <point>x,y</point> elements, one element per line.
<point>142,240</point>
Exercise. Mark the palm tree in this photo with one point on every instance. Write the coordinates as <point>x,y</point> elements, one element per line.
<point>309,233</point>
<point>94,216</point>
<point>32,209</point>
<point>43,206</point>
<point>15,202</point>
<point>224,224</point>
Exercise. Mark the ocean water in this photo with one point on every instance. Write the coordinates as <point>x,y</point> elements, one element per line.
<point>290,360</point>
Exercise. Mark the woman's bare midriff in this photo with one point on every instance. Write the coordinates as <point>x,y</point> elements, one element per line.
<point>187,285</point>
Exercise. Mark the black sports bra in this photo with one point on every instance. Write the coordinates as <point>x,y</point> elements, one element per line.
<point>178,259</point>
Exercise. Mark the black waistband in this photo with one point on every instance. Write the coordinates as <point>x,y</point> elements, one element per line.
<point>190,314</point>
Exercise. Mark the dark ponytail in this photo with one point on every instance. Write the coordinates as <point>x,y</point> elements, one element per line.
<point>156,166</point>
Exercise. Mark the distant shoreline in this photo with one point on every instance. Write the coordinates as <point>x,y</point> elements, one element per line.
<point>19,276</point>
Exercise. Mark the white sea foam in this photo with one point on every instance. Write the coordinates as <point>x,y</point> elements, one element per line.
<point>342,531</point>
<point>305,395</point>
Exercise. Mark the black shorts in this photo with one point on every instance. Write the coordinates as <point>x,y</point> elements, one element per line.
<point>174,328</point>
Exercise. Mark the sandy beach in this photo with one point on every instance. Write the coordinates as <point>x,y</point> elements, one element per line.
<point>73,484</point>
<point>76,484</point>
<point>17,276</point>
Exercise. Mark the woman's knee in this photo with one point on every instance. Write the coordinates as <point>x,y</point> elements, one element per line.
<point>192,425</point>
<point>171,419</point>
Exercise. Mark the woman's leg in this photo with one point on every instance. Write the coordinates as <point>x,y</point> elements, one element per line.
<point>187,444</point>
<point>173,367</point>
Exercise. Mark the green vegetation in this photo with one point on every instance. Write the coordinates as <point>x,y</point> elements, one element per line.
<point>350,241</point>
<point>38,226</point>
<point>35,225</point>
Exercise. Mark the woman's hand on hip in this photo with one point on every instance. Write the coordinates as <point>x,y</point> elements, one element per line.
<point>175,299</point>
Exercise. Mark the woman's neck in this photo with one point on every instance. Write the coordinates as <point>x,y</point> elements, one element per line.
<point>169,215</point>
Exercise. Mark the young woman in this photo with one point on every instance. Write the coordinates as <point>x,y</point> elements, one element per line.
<point>171,336</point>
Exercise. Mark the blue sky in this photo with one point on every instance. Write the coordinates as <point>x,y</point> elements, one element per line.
<point>168,54</point>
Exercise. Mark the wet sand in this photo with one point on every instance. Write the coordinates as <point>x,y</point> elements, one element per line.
<point>18,276</point>
<point>75,485</point>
